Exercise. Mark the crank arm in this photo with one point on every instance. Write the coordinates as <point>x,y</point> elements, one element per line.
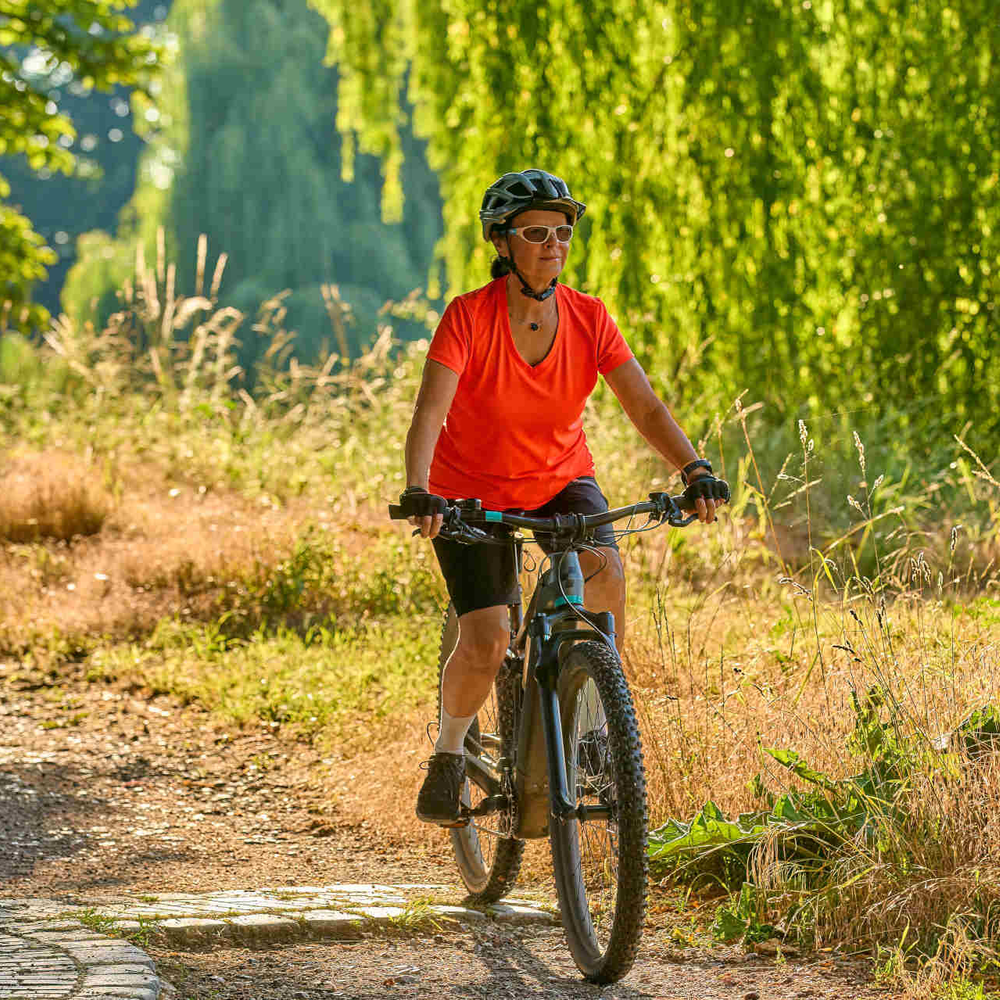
<point>491,804</point>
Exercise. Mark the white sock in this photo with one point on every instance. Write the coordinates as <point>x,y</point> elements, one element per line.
<point>451,732</point>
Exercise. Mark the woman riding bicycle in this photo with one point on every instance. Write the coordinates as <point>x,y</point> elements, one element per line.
<point>498,417</point>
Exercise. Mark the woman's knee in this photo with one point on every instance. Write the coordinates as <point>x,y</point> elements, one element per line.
<point>483,640</point>
<point>484,651</point>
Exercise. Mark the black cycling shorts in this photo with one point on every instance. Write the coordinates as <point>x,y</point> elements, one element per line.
<point>484,576</point>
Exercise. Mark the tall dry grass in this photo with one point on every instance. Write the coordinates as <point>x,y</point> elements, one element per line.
<point>727,663</point>
<point>51,495</point>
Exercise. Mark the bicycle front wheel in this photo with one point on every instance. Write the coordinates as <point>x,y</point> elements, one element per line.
<point>600,864</point>
<point>488,857</point>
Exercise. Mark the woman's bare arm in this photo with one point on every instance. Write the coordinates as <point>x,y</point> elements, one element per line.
<point>437,390</point>
<point>655,423</point>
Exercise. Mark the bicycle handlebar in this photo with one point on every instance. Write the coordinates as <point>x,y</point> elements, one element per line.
<point>461,518</point>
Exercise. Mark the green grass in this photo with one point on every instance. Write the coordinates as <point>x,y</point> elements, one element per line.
<point>964,989</point>
<point>97,922</point>
<point>319,682</point>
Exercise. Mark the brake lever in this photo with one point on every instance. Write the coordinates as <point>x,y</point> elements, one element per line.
<point>683,522</point>
<point>671,512</point>
<point>465,535</point>
<point>456,530</point>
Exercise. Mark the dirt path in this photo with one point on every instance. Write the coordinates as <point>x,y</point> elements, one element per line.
<point>107,794</point>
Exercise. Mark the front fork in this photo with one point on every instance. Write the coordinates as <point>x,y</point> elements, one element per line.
<point>563,807</point>
<point>543,671</point>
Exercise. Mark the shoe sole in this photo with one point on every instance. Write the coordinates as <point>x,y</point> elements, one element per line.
<point>442,820</point>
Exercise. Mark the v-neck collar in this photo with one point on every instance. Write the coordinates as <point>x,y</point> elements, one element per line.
<point>511,345</point>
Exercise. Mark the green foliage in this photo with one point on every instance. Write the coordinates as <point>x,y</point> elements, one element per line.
<point>257,169</point>
<point>110,926</point>
<point>963,989</point>
<point>317,589</point>
<point>23,258</point>
<point>980,732</point>
<point>742,919</point>
<point>800,198</point>
<point>95,921</point>
<point>108,137</point>
<point>19,362</point>
<point>834,811</point>
<point>90,291</point>
<point>984,609</point>
<point>321,681</point>
<point>45,44</point>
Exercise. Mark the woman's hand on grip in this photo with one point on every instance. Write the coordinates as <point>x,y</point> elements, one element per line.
<point>424,510</point>
<point>706,494</point>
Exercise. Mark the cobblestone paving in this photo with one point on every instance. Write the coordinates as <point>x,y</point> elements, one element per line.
<point>31,969</point>
<point>52,960</point>
<point>45,952</point>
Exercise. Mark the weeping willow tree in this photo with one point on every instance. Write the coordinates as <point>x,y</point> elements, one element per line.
<point>248,154</point>
<point>801,197</point>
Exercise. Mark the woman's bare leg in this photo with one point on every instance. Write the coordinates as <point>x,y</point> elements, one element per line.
<point>483,637</point>
<point>605,588</point>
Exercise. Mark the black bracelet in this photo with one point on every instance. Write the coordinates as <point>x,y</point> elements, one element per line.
<point>698,463</point>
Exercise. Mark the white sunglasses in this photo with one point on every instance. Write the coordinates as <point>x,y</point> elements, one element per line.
<point>540,234</point>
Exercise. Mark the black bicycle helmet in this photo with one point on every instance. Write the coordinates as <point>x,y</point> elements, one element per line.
<point>532,188</point>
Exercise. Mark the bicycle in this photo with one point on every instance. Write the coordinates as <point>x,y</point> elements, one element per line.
<point>555,751</point>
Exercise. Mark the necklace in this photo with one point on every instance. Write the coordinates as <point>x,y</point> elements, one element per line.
<point>530,323</point>
<point>552,313</point>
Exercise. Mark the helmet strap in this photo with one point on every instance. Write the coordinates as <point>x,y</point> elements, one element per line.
<point>526,289</point>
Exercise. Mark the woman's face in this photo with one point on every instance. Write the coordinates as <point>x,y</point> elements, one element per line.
<point>538,262</point>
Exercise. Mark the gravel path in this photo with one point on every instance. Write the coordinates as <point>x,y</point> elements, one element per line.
<point>111,799</point>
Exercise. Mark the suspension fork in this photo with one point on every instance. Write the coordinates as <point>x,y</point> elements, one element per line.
<point>544,672</point>
<point>548,711</point>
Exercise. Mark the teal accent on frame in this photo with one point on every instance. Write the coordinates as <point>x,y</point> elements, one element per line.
<point>494,515</point>
<point>560,601</point>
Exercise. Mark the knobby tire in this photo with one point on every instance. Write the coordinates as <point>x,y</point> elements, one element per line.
<point>488,862</point>
<point>600,866</point>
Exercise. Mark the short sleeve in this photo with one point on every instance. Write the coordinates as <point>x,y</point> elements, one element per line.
<point>452,339</point>
<point>612,350</point>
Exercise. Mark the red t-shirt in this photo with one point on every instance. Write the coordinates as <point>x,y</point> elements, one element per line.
<point>514,434</point>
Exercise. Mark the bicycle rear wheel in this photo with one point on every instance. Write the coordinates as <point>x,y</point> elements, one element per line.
<point>488,857</point>
<point>600,865</point>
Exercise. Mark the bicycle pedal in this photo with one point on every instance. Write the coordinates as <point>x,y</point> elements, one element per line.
<point>456,825</point>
